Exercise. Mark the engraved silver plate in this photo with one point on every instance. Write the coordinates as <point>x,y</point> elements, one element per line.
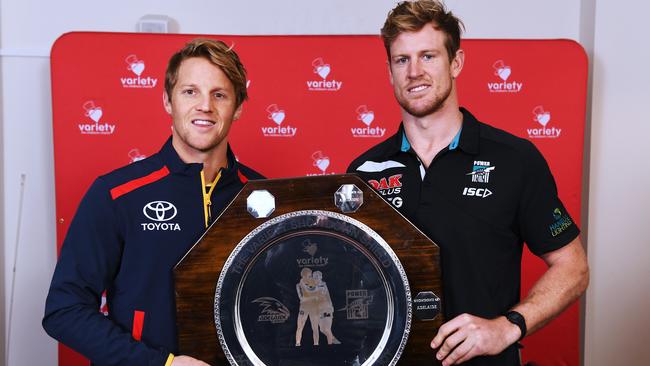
<point>348,198</point>
<point>312,287</point>
<point>426,305</point>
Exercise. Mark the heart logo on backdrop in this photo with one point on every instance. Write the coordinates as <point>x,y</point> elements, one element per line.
<point>275,113</point>
<point>137,67</point>
<point>321,68</point>
<point>95,114</point>
<point>364,115</point>
<point>323,71</point>
<point>320,161</point>
<point>367,118</point>
<point>92,111</point>
<point>541,116</point>
<point>501,70</point>
<point>322,164</point>
<point>277,117</point>
<point>504,73</point>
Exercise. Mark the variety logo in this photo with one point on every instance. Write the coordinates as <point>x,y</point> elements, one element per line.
<point>562,222</point>
<point>481,171</point>
<point>160,212</point>
<point>137,68</point>
<point>95,114</point>
<point>356,304</point>
<point>504,86</point>
<point>366,116</point>
<point>321,162</point>
<point>311,261</point>
<point>271,310</point>
<point>277,115</point>
<point>476,192</point>
<point>135,155</point>
<point>323,70</point>
<point>543,118</point>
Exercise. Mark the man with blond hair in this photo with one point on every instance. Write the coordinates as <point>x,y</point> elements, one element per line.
<point>477,191</point>
<point>135,223</point>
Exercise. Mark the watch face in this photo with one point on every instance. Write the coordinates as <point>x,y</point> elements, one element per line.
<point>312,287</point>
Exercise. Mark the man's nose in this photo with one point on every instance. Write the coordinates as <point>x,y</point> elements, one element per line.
<point>203,103</point>
<point>414,68</point>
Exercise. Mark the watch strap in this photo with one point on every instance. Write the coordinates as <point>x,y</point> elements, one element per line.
<point>517,319</point>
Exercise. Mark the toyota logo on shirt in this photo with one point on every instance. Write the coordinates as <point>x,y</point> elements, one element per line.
<point>159,211</point>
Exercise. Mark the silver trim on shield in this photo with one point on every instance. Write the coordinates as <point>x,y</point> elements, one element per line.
<point>377,353</point>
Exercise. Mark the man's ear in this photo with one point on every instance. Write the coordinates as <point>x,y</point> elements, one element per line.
<point>167,103</point>
<point>390,72</point>
<point>237,112</point>
<point>457,63</point>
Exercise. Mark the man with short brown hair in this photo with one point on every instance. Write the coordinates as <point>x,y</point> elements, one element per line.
<point>477,191</point>
<point>135,223</point>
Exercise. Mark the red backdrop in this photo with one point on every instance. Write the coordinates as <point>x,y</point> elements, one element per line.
<point>316,102</point>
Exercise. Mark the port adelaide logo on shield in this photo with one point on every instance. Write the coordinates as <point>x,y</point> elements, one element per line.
<point>160,213</point>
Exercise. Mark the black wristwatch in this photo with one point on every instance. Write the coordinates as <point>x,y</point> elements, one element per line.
<point>518,320</point>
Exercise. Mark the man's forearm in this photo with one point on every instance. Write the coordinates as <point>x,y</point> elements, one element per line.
<point>563,282</point>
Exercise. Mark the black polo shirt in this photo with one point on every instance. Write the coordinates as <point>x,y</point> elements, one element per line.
<point>480,199</point>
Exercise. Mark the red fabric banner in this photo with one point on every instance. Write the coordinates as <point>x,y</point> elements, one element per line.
<point>316,102</point>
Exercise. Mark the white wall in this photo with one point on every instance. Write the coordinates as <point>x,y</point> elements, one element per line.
<point>617,322</point>
<point>618,219</point>
<point>27,149</point>
<point>2,230</point>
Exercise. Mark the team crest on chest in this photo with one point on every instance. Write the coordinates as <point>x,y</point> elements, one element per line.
<point>481,171</point>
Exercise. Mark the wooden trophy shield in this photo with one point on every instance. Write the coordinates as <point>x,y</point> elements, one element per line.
<point>309,271</point>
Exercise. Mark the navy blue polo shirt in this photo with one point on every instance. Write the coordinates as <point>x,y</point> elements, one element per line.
<point>480,199</point>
